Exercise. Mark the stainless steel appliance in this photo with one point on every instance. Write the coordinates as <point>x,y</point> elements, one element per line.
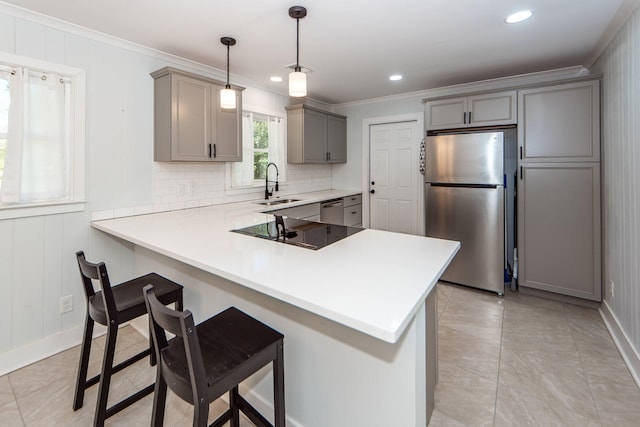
<point>332,211</point>
<point>465,201</point>
<point>299,232</point>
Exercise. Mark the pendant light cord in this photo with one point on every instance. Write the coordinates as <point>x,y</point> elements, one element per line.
<point>228,86</point>
<point>297,45</point>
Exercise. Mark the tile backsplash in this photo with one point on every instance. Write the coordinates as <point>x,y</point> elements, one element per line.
<point>188,185</point>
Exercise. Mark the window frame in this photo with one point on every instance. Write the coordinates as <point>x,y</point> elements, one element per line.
<point>76,200</point>
<point>229,189</point>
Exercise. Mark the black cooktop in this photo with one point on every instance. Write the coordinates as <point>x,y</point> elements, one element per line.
<point>300,232</point>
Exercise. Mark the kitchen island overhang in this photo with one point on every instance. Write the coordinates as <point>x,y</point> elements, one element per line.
<point>375,283</point>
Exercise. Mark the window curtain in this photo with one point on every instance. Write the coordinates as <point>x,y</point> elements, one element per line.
<point>242,172</point>
<point>37,162</point>
<point>277,153</point>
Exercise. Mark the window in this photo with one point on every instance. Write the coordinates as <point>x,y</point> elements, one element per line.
<point>262,143</point>
<point>41,137</point>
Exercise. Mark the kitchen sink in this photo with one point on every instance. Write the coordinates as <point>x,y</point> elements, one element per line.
<point>276,202</point>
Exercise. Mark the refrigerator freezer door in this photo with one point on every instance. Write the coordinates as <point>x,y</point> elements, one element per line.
<point>475,158</point>
<point>475,218</point>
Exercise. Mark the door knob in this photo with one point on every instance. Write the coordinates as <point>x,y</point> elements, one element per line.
<point>372,191</point>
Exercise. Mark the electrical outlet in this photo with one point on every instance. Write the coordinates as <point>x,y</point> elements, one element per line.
<point>66,304</point>
<point>612,287</point>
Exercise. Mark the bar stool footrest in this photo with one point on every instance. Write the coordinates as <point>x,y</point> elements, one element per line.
<point>120,366</point>
<point>124,403</point>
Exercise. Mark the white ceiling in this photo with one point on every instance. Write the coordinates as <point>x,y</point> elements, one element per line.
<point>353,46</point>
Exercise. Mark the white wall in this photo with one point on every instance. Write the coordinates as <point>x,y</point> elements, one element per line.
<point>37,254</point>
<point>620,66</point>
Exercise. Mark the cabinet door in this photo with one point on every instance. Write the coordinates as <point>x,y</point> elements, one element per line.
<point>490,109</point>
<point>190,119</point>
<point>559,228</point>
<point>446,113</point>
<point>314,137</point>
<point>560,123</point>
<point>337,139</point>
<point>228,129</point>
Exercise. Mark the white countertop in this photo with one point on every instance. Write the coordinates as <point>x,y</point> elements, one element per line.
<point>373,281</point>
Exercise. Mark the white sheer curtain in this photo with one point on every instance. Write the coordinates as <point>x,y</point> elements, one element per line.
<point>276,146</point>
<point>242,172</point>
<point>37,162</point>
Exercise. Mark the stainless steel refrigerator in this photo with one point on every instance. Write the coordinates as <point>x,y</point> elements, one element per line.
<point>465,201</point>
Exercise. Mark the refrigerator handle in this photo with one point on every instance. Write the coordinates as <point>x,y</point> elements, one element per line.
<point>422,155</point>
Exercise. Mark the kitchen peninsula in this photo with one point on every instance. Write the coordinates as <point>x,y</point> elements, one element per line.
<point>359,316</point>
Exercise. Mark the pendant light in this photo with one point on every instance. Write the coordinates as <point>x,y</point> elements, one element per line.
<point>228,95</point>
<point>297,79</point>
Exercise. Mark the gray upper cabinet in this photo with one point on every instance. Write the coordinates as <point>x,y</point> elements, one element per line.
<point>560,123</point>
<point>488,109</point>
<point>189,124</point>
<point>315,136</point>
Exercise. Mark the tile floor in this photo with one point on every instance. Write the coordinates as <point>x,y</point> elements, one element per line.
<point>512,361</point>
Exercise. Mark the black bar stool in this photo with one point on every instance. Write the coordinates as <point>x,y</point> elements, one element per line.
<point>205,361</point>
<point>113,306</point>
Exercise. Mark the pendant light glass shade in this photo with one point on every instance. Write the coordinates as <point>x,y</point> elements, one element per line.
<point>228,95</point>
<point>297,79</point>
<point>228,98</point>
<point>297,84</point>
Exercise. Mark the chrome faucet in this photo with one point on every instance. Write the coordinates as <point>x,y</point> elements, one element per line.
<point>268,193</point>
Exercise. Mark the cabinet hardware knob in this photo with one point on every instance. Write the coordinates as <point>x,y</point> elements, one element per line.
<point>372,191</point>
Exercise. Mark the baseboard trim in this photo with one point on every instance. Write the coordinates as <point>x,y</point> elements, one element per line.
<point>625,347</point>
<point>559,297</point>
<point>36,351</point>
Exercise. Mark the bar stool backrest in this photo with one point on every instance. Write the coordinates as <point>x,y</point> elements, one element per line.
<point>98,272</point>
<point>182,325</point>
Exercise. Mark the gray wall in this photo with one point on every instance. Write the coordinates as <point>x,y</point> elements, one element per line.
<point>620,66</point>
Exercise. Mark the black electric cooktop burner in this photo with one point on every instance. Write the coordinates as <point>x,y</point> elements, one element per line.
<point>300,232</point>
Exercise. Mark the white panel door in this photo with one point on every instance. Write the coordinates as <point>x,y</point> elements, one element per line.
<point>395,181</point>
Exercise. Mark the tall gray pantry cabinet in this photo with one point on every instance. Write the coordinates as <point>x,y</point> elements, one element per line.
<point>189,124</point>
<point>559,231</point>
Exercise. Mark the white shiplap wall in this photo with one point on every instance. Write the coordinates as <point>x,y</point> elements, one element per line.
<point>37,261</point>
<point>620,66</point>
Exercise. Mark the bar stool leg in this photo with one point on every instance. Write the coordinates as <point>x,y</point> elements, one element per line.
<point>278,387</point>
<point>105,376</point>
<point>159,400</point>
<point>200,413</point>
<point>233,404</point>
<point>83,367</point>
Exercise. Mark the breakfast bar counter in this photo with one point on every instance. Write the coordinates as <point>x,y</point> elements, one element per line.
<point>357,315</point>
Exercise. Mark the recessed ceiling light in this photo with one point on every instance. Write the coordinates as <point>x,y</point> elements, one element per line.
<point>523,15</point>
<point>276,79</point>
<point>395,77</point>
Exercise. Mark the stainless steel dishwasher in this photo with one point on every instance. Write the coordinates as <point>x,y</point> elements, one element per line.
<point>332,211</point>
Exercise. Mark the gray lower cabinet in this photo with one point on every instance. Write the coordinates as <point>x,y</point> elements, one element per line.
<point>189,124</point>
<point>559,228</point>
<point>352,211</point>
<point>315,136</point>
<point>309,212</point>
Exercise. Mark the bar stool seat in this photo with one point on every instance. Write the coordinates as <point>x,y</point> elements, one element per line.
<point>112,306</point>
<point>205,361</point>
